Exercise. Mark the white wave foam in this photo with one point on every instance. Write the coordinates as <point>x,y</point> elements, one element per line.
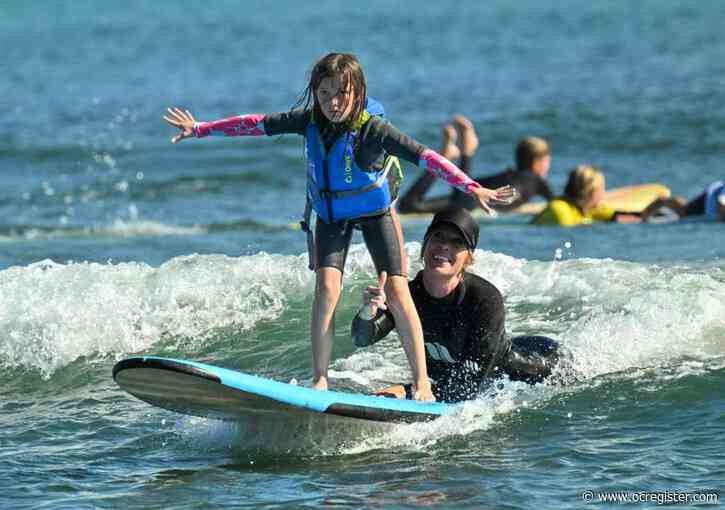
<point>612,315</point>
<point>51,314</point>
<point>135,228</point>
<point>119,228</point>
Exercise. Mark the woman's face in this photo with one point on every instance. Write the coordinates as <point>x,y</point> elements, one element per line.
<point>446,252</point>
<point>335,103</point>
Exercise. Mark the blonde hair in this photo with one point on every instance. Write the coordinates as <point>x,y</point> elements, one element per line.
<point>529,149</point>
<point>583,180</point>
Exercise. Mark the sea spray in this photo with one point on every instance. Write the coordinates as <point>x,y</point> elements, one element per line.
<point>50,313</point>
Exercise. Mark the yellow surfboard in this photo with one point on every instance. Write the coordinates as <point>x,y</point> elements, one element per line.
<point>635,198</point>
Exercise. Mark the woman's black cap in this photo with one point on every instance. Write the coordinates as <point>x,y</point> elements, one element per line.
<point>462,220</point>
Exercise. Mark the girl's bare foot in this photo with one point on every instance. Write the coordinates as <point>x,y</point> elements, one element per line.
<point>397,391</point>
<point>320,384</point>
<point>469,139</point>
<point>450,150</point>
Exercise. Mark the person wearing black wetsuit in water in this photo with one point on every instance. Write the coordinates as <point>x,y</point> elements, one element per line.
<point>463,319</point>
<point>533,160</point>
<point>709,204</point>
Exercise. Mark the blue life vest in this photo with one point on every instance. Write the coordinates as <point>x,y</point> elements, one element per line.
<point>712,193</point>
<point>337,188</point>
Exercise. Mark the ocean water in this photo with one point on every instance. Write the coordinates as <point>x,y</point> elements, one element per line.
<point>113,242</point>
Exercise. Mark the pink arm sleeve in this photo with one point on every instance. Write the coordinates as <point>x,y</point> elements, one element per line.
<point>440,167</point>
<point>241,125</point>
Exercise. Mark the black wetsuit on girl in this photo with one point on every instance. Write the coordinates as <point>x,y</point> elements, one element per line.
<point>465,339</point>
<point>526,182</point>
<point>382,233</point>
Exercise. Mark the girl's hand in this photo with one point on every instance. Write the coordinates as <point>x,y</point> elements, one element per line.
<point>502,195</point>
<point>182,119</point>
<point>374,297</point>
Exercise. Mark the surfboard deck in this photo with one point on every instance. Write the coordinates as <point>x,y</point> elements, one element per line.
<point>625,199</point>
<point>635,198</point>
<point>208,391</point>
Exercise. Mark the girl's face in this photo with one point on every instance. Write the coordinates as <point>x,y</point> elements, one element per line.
<point>336,104</point>
<point>446,252</point>
<point>541,166</point>
<point>596,197</point>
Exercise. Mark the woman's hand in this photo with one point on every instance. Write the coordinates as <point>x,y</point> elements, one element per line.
<point>374,297</point>
<point>182,119</point>
<point>487,197</point>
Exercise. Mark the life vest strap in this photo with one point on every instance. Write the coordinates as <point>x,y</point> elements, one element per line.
<point>349,193</point>
<point>307,228</point>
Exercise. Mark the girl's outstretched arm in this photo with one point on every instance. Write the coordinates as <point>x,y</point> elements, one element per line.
<point>403,146</point>
<point>414,201</point>
<point>241,125</point>
<point>442,168</point>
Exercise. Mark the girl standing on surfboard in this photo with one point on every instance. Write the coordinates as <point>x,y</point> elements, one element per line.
<point>348,146</point>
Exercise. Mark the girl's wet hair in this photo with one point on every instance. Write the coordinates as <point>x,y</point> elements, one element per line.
<point>345,67</point>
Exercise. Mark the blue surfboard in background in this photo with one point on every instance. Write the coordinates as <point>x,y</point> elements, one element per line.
<point>199,389</point>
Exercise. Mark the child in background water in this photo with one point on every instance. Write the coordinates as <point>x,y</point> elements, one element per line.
<point>533,159</point>
<point>582,203</point>
<point>346,144</point>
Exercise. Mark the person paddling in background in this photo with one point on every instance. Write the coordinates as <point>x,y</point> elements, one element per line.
<point>582,202</point>
<point>709,204</point>
<point>463,319</point>
<point>346,144</point>
<point>533,160</point>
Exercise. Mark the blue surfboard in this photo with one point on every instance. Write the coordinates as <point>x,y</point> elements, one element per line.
<point>199,389</point>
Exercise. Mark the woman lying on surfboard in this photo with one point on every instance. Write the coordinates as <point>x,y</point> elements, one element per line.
<point>348,144</point>
<point>582,202</point>
<point>533,160</point>
<point>462,316</point>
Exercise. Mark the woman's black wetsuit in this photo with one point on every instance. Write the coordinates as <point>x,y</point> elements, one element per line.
<point>465,339</point>
<point>527,184</point>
